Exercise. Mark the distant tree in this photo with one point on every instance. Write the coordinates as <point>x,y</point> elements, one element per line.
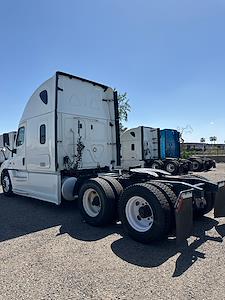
<point>124,109</point>
<point>202,140</point>
<point>184,130</point>
<point>213,139</point>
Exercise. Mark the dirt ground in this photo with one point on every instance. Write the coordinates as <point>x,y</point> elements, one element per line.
<point>47,252</point>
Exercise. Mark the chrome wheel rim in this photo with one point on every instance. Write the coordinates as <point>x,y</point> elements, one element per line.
<point>170,168</point>
<point>139,214</point>
<point>91,202</point>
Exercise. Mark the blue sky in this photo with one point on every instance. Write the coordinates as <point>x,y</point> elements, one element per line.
<point>169,56</point>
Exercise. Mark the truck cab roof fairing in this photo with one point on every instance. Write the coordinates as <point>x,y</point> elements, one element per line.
<point>36,106</point>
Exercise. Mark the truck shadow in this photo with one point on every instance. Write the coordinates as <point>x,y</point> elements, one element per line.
<point>154,255</point>
<point>20,216</point>
<point>221,230</point>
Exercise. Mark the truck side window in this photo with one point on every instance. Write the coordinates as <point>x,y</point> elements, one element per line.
<point>20,136</point>
<point>42,134</point>
<point>44,96</point>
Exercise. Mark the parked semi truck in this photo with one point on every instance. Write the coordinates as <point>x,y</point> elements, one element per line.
<point>170,152</point>
<point>6,145</point>
<point>170,148</point>
<point>145,146</point>
<point>159,149</point>
<point>68,148</point>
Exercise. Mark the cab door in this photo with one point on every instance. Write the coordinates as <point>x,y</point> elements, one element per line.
<point>19,160</point>
<point>18,163</point>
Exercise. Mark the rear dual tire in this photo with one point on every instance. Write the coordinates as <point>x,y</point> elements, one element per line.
<point>157,164</point>
<point>145,209</point>
<point>172,167</point>
<point>197,165</point>
<point>115,185</point>
<point>98,200</point>
<point>145,213</point>
<point>170,197</point>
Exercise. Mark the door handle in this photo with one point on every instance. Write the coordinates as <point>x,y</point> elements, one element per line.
<point>23,161</point>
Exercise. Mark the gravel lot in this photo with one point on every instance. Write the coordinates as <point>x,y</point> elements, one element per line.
<point>46,252</point>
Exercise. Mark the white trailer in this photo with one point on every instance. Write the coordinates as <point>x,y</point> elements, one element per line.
<point>6,145</point>
<point>68,148</point>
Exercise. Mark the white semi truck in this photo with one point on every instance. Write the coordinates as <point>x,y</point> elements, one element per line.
<point>140,146</point>
<point>68,148</point>
<point>7,141</point>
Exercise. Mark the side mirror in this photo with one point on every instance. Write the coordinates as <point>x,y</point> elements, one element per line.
<point>5,139</point>
<point>14,151</point>
<point>3,150</point>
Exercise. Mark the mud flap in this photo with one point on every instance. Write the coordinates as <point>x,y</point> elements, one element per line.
<point>184,216</point>
<point>219,206</point>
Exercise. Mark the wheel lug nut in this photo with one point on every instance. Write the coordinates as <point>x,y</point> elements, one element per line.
<point>139,218</point>
<point>137,203</point>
